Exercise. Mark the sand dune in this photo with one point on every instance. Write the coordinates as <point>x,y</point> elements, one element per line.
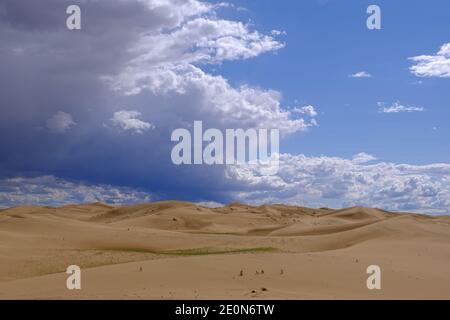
<point>175,249</point>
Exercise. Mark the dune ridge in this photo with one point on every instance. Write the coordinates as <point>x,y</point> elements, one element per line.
<point>215,244</point>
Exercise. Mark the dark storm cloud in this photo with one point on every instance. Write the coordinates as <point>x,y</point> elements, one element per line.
<point>33,15</point>
<point>48,69</point>
<point>98,15</point>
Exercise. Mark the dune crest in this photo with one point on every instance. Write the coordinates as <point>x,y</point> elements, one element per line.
<point>38,243</point>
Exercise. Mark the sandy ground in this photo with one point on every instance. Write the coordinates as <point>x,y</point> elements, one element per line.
<point>177,250</point>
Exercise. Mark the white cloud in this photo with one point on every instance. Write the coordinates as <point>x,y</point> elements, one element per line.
<point>306,110</point>
<point>361,74</point>
<point>60,122</point>
<point>169,64</point>
<point>203,40</point>
<point>340,182</point>
<point>311,181</point>
<point>437,65</point>
<point>127,120</point>
<point>278,32</point>
<point>210,204</point>
<point>215,101</point>
<point>363,158</point>
<point>49,190</point>
<point>172,13</point>
<point>397,107</point>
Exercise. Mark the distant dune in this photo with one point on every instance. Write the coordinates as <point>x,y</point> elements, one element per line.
<point>172,249</point>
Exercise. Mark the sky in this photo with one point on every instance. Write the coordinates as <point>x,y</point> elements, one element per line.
<point>86,115</point>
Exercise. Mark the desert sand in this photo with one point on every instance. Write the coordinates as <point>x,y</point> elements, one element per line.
<point>179,250</point>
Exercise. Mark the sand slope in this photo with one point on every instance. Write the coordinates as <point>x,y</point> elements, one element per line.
<point>176,249</point>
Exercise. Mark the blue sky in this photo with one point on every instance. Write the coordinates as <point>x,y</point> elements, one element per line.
<point>86,115</point>
<point>326,41</point>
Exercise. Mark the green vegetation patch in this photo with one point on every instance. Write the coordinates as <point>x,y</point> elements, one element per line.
<point>207,251</point>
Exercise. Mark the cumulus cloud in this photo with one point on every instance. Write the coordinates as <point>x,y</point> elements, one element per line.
<point>49,190</point>
<point>219,103</point>
<point>313,181</point>
<point>397,107</point>
<point>214,41</point>
<point>361,74</point>
<point>169,64</point>
<point>60,122</point>
<point>340,182</point>
<point>437,65</point>
<point>128,120</point>
<point>158,58</point>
